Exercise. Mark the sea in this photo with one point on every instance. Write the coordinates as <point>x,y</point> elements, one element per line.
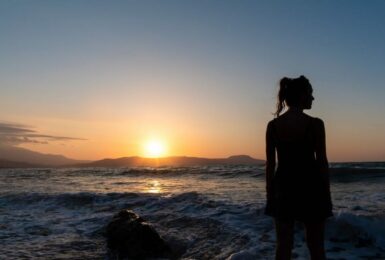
<point>211,212</point>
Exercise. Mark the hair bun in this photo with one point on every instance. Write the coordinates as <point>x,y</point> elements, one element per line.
<point>284,83</point>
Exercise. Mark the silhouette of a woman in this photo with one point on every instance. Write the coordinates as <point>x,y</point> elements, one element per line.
<point>298,190</point>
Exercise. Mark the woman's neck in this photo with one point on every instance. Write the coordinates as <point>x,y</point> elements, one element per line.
<point>295,109</point>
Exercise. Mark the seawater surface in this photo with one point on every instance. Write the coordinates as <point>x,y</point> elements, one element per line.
<point>211,212</point>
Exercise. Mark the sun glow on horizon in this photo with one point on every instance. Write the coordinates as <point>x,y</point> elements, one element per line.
<point>155,148</point>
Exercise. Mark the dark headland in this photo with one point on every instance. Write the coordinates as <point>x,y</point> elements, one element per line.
<point>29,159</point>
<point>137,161</point>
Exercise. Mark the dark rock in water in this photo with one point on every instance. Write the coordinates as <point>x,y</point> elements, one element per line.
<point>129,236</point>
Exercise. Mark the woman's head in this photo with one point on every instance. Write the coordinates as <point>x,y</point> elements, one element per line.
<point>295,93</point>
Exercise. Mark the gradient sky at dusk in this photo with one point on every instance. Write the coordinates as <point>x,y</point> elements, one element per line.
<point>200,75</point>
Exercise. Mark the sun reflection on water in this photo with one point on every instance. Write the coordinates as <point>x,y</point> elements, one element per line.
<point>153,186</point>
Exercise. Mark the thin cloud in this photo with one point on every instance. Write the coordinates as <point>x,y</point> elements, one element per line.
<point>6,128</point>
<point>52,137</point>
<point>15,134</point>
<point>14,140</point>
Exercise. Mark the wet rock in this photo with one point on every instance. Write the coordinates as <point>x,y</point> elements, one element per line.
<point>129,236</point>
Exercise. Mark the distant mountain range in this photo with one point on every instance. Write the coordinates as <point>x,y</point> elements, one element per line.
<point>13,164</point>
<point>136,161</point>
<point>12,155</point>
<point>16,157</point>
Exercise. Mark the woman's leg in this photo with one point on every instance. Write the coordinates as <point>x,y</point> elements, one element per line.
<point>285,233</point>
<point>315,239</point>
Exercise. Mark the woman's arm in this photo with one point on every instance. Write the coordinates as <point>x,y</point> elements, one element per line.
<point>320,151</point>
<point>320,146</point>
<point>270,158</point>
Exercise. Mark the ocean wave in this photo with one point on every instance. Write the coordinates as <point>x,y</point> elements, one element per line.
<point>168,171</point>
<point>347,236</point>
<point>359,230</point>
<point>360,165</point>
<point>79,199</point>
<point>204,228</point>
<point>206,211</point>
<point>338,172</point>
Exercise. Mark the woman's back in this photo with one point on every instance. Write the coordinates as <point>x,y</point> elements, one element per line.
<point>292,125</point>
<point>299,190</point>
<point>295,137</point>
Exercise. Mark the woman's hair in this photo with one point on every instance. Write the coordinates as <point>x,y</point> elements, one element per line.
<point>290,91</point>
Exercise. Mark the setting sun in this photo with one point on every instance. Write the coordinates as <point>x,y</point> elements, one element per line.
<point>154,148</point>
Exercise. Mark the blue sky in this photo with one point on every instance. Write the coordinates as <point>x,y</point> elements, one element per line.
<point>206,71</point>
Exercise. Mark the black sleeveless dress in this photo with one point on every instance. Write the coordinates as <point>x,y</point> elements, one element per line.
<point>299,190</point>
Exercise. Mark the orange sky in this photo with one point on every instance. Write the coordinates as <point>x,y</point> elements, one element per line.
<point>111,139</point>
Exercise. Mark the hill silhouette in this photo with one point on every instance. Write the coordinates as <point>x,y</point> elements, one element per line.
<point>14,164</point>
<point>25,156</point>
<point>136,161</point>
<point>17,157</point>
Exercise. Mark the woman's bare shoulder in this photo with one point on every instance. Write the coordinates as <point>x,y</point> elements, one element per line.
<point>317,120</point>
<point>318,123</point>
<point>271,122</point>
